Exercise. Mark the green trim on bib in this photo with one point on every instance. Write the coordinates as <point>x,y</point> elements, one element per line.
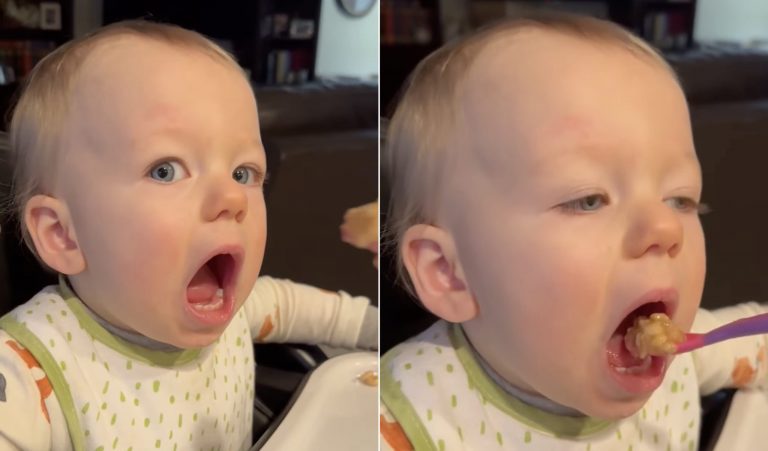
<point>148,356</point>
<point>401,408</point>
<point>557,425</point>
<point>60,386</point>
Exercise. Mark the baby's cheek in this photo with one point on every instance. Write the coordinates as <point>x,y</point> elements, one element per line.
<point>153,248</point>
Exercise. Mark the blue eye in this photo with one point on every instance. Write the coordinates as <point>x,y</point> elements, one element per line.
<point>167,171</point>
<point>585,204</point>
<point>684,204</point>
<point>246,175</point>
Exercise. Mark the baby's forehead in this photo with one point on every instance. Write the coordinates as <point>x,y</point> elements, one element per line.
<point>517,72</point>
<point>521,74</point>
<point>126,50</point>
<point>531,86</point>
<point>533,56</point>
<point>116,67</point>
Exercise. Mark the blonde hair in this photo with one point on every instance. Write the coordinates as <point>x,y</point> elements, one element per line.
<point>41,111</point>
<point>419,139</point>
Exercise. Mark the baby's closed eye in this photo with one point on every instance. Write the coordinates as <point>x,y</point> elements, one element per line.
<point>684,204</point>
<point>585,204</point>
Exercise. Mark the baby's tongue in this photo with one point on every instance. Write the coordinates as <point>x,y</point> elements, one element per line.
<point>619,355</point>
<point>203,286</point>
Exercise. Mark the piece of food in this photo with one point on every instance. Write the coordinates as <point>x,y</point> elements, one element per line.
<point>361,226</point>
<point>370,378</point>
<point>656,335</point>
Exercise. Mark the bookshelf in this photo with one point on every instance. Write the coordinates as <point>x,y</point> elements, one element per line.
<point>286,43</point>
<point>28,32</point>
<point>410,30</point>
<point>667,24</point>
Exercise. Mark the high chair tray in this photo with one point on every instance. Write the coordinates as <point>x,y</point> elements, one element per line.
<point>744,428</point>
<point>335,409</point>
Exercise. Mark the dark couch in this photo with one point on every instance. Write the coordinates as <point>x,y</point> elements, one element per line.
<point>321,142</point>
<point>727,90</point>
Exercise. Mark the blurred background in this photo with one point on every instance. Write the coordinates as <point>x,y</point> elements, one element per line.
<point>411,29</point>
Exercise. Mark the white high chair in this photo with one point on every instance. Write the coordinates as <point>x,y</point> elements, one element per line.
<point>333,409</point>
<point>745,425</point>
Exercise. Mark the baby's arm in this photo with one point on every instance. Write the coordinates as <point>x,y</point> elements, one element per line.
<point>281,311</point>
<point>27,403</point>
<point>741,362</point>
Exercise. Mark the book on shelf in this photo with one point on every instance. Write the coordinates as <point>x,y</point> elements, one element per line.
<point>288,67</point>
<point>17,58</point>
<point>405,22</point>
<point>282,26</point>
<point>667,30</point>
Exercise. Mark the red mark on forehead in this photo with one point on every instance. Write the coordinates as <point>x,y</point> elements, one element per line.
<point>573,124</point>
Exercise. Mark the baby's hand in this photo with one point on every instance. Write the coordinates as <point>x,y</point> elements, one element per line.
<point>361,228</point>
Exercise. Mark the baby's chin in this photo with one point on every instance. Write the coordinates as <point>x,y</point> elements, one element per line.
<point>191,340</point>
<point>186,338</point>
<point>193,337</point>
<point>613,409</point>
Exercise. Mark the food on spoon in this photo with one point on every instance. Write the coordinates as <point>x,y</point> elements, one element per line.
<point>656,335</point>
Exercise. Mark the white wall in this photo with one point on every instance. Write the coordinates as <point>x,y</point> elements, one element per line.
<point>743,21</point>
<point>347,46</point>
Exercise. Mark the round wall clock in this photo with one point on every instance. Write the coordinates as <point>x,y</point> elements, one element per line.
<point>356,8</point>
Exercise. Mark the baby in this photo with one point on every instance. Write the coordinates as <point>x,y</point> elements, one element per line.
<point>139,174</point>
<point>545,193</point>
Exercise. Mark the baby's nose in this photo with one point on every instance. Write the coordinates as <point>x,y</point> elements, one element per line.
<point>657,229</point>
<point>225,199</point>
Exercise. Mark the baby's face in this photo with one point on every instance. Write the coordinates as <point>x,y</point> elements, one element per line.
<point>574,204</point>
<point>163,179</point>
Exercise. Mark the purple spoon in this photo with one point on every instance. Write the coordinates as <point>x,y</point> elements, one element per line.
<point>753,325</point>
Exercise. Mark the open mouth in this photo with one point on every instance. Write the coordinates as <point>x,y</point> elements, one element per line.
<point>635,374</point>
<point>210,293</point>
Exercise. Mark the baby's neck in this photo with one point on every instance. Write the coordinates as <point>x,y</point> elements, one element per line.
<point>130,337</point>
<point>531,399</point>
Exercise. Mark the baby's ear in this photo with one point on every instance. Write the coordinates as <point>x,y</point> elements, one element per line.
<point>49,224</point>
<point>429,254</point>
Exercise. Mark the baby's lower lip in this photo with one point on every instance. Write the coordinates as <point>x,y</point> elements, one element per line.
<point>633,375</point>
<point>215,313</point>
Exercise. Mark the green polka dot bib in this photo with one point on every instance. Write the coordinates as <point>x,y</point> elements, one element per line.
<point>443,400</point>
<point>116,395</point>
